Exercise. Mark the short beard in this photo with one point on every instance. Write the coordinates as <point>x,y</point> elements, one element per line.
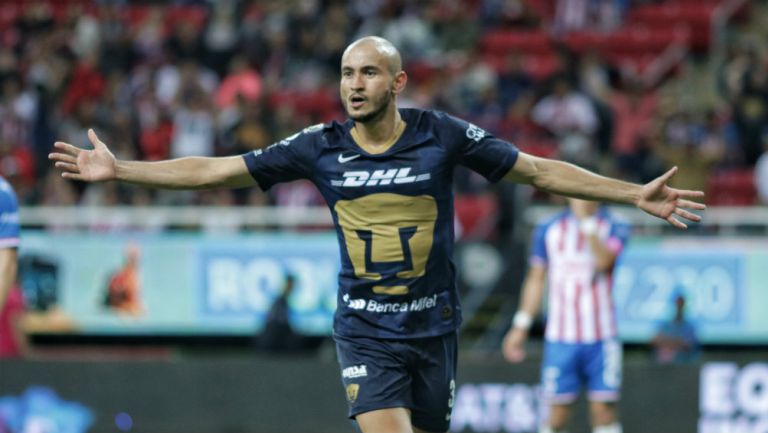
<point>373,115</point>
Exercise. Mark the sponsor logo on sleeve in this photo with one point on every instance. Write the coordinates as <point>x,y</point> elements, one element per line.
<point>475,133</point>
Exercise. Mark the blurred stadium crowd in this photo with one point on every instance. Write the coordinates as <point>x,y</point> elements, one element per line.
<point>583,80</point>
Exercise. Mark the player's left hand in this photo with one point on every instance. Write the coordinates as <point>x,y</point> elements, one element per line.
<point>660,200</point>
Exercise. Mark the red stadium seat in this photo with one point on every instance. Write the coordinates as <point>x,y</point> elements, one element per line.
<point>476,214</point>
<point>539,65</point>
<point>523,41</point>
<point>8,14</point>
<point>696,15</point>
<point>581,41</point>
<point>544,8</point>
<point>545,148</point>
<point>196,15</point>
<point>420,71</point>
<point>733,187</point>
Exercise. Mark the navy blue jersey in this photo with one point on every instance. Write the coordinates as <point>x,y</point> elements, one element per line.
<point>393,214</point>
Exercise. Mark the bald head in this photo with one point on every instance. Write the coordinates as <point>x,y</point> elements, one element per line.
<point>379,47</point>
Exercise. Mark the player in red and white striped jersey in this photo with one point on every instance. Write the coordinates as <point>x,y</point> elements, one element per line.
<point>574,254</point>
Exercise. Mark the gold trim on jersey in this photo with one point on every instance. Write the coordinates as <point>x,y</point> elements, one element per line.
<point>398,132</point>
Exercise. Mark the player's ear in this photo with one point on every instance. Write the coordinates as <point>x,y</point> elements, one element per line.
<point>398,83</point>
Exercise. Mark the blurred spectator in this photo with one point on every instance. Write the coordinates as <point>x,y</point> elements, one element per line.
<point>741,57</point>
<point>594,75</point>
<point>221,34</point>
<point>513,81</point>
<point>87,83</point>
<point>149,34</point>
<point>676,340</point>
<point>85,40</point>
<point>691,144</point>
<point>193,125</point>
<point>447,16</point>
<point>509,13</point>
<point>477,80</point>
<point>571,15</point>
<point>242,81</point>
<point>123,291</point>
<point>185,42</point>
<point>246,130</point>
<point>116,45</point>
<point>17,165</point>
<point>155,140</point>
<point>404,25</point>
<point>633,109</point>
<point>75,127</point>
<point>36,19</point>
<point>129,69</point>
<point>278,335</point>
<point>176,79</point>
<point>750,113</point>
<point>603,15</point>
<point>570,116</point>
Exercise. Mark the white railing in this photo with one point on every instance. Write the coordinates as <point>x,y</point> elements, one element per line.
<point>243,217</point>
<point>163,217</point>
<point>719,220</point>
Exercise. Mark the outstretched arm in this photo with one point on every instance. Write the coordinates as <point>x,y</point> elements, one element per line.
<point>655,197</point>
<point>99,164</point>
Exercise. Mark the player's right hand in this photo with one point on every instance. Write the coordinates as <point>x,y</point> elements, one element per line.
<point>86,165</point>
<point>513,346</point>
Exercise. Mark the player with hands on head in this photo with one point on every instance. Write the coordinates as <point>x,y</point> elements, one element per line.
<point>386,175</point>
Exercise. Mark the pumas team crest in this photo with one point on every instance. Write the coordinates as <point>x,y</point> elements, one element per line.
<point>352,390</point>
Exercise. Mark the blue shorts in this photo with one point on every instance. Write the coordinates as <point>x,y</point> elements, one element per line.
<point>567,368</point>
<point>417,374</point>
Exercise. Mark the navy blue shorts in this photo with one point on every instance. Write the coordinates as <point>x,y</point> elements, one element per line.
<point>417,374</point>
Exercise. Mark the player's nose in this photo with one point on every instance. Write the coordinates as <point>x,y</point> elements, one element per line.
<point>356,82</point>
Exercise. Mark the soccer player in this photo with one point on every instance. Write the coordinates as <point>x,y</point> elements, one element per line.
<point>386,174</point>
<point>575,252</point>
<point>12,337</point>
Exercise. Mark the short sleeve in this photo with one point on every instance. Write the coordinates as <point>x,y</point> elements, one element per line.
<point>538,254</point>
<point>289,159</point>
<point>476,149</point>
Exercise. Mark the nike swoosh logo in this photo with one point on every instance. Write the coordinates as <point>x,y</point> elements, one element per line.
<point>343,159</point>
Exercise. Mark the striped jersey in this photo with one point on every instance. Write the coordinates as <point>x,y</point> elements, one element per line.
<point>9,216</point>
<point>580,304</point>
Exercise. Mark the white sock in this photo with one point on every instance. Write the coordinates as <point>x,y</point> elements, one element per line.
<point>610,428</point>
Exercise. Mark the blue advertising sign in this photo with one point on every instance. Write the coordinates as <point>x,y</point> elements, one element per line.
<point>177,283</point>
<point>720,280</point>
